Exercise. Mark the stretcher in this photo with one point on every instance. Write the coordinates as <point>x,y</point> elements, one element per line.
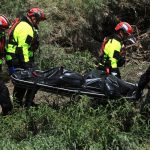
<point>62,81</point>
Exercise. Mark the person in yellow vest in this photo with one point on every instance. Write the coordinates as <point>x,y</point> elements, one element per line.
<point>22,43</point>
<point>112,50</point>
<point>5,101</point>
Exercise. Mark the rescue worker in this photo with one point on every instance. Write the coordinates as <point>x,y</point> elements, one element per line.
<point>112,51</point>
<point>4,24</point>
<point>5,101</point>
<point>144,80</point>
<point>23,42</point>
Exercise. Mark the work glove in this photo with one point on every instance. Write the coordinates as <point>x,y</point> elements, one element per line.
<point>121,61</point>
<point>28,73</point>
<point>11,70</point>
<point>115,72</point>
<point>32,72</point>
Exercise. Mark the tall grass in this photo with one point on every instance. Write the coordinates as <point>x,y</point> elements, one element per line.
<point>117,125</point>
<point>56,56</point>
<point>78,126</point>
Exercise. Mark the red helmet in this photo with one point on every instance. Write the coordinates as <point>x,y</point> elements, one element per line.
<point>125,27</point>
<point>37,13</point>
<point>4,23</point>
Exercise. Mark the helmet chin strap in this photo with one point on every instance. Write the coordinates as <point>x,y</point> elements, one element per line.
<point>124,36</point>
<point>31,20</point>
<point>120,35</point>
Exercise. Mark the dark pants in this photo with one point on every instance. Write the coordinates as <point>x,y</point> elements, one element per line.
<point>144,80</point>
<point>5,101</point>
<point>19,93</point>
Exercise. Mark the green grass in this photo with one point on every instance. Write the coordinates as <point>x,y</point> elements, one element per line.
<point>117,125</point>
<point>78,126</point>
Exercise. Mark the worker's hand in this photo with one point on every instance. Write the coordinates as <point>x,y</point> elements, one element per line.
<point>11,70</point>
<point>97,63</point>
<point>32,72</point>
<point>121,61</point>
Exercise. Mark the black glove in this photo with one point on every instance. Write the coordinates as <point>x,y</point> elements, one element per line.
<point>121,61</point>
<point>11,70</point>
<point>115,72</point>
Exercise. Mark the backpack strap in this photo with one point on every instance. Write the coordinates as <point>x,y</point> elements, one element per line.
<point>2,45</point>
<point>11,31</point>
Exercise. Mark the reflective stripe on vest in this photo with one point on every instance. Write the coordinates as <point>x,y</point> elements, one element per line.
<point>1,61</point>
<point>8,57</point>
<point>30,54</point>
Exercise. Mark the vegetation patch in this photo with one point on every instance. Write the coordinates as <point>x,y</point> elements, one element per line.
<point>71,37</point>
